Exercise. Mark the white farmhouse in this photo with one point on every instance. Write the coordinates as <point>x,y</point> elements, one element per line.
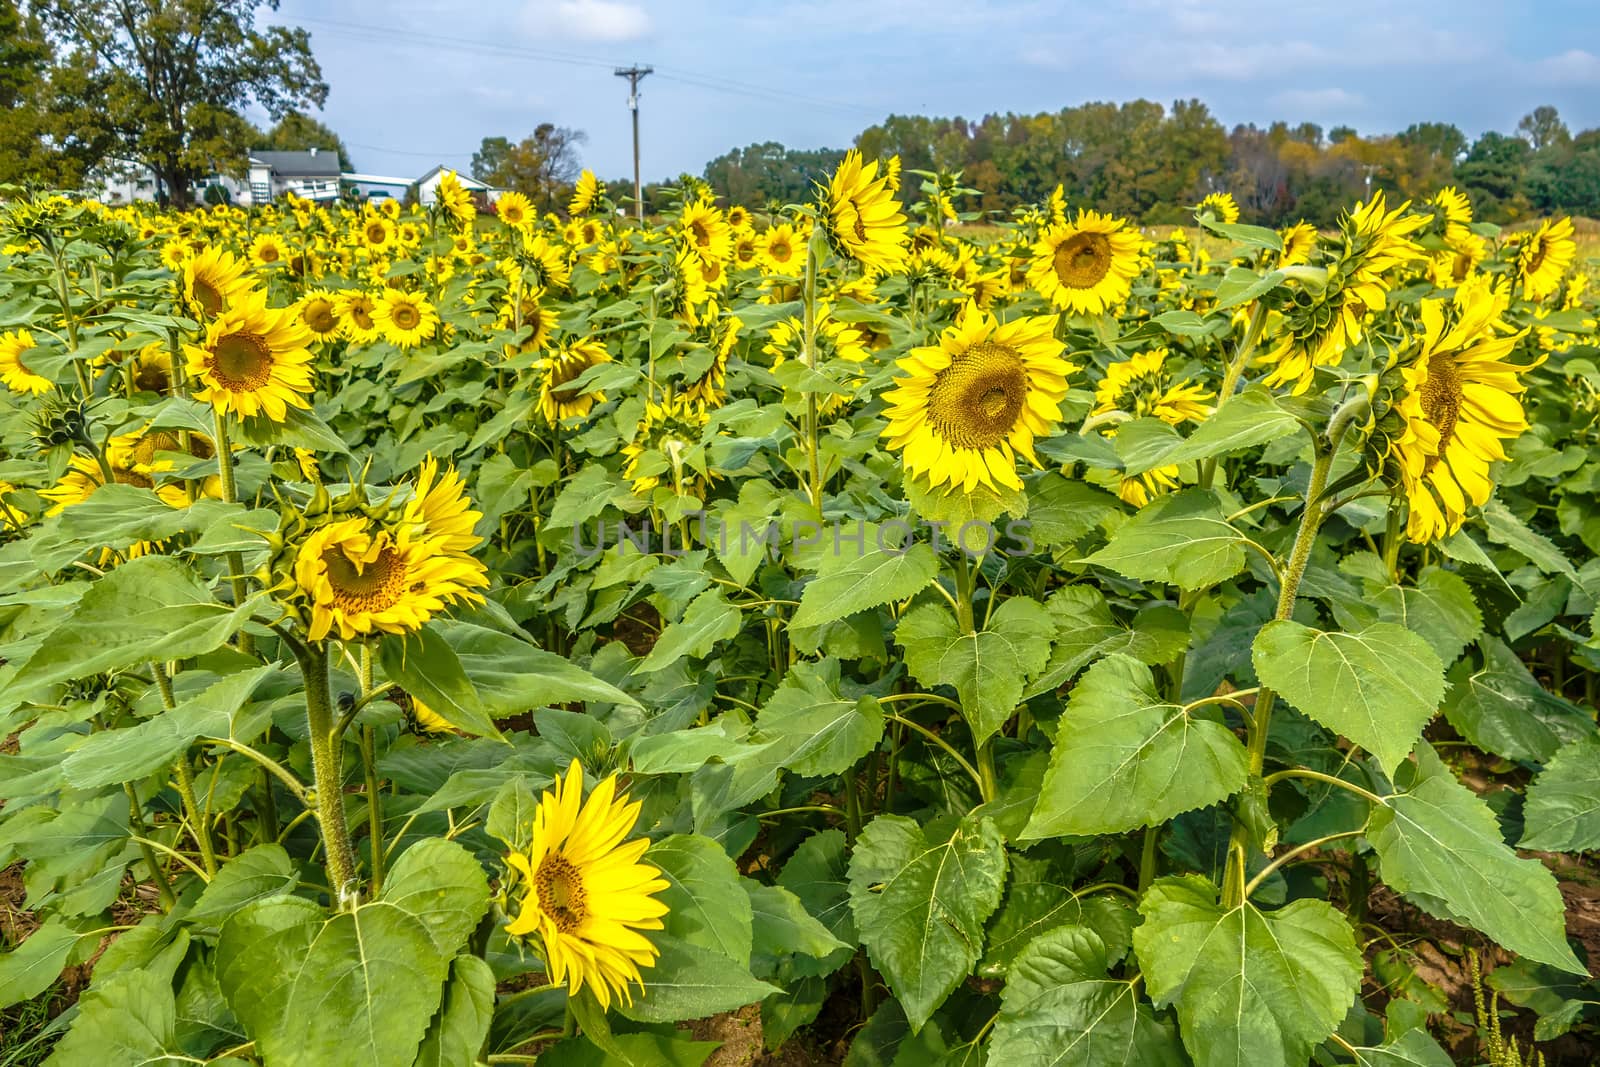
<point>428,186</point>
<point>310,175</point>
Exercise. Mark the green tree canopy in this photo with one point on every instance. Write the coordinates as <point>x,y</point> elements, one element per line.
<point>169,79</point>
<point>296,132</point>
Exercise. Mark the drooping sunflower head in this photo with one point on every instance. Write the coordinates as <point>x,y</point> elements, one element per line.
<point>1299,241</point>
<point>253,359</point>
<point>559,397</point>
<point>588,891</point>
<point>1142,386</point>
<point>319,310</point>
<point>16,346</point>
<point>212,277</point>
<point>1543,258</point>
<point>708,390</point>
<point>453,198</point>
<point>151,369</point>
<point>1086,266</point>
<point>1452,213</point>
<point>659,451</point>
<point>1222,206</point>
<point>967,407</point>
<point>405,319</point>
<point>584,194</point>
<point>356,576</point>
<point>1461,402</point>
<point>439,508</point>
<point>1377,239</point>
<point>861,216</point>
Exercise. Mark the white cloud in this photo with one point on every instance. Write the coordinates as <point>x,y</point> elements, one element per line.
<point>610,21</point>
<point>1574,67</point>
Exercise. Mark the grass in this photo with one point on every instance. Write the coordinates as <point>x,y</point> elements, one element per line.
<point>25,1034</point>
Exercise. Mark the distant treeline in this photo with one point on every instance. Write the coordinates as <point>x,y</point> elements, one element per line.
<point>1147,162</point>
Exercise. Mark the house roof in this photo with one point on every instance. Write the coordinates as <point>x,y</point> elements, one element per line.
<point>374,179</point>
<point>313,163</point>
<point>467,181</point>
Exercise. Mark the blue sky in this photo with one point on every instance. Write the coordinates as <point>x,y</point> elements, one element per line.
<point>414,82</point>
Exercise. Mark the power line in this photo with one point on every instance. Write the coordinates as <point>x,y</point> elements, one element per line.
<point>373,34</point>
<point>633,74</point>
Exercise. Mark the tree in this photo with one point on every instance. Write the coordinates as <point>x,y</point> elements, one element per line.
<point>541,165</point>
<point>296,132</point>
<point>171,77</point>
<point>1542,127</point>
<point>50,131</point>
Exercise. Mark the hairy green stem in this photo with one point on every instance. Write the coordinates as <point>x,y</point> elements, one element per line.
<point>327,773</point>
<point>158,874</point>
<point>185,779</point>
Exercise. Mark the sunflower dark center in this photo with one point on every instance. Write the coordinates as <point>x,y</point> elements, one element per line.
<point>780,251</point>
<point>1441,398</point>
<point>241,361</point>
<point>1536,260</point>
<point>975,402</point>
<point>561,892</point>
<point>320,317</point>
<point>269,254</point>
<point>1082,260</point>
<point>206,295</point>
<point>405,316</point>
<point>373,587</point>
<point>702,233</point>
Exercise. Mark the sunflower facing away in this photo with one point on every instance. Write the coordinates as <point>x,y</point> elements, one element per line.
<point>211,278</point>
<point>558,398</point>
<point>253,359</point>
<point>669,428</point>
<point>358,578</point>
<point>14,370</point>
<point>1543,258</point>
<point>588,892</point>
<point>863,219</point>
<point>405,319</point>
<point>1221,205</point>
<point>584,194</point>
<point>1087,265</point>
<point>1462,400</point>
<point>439,507</point>
<point>969,405</point>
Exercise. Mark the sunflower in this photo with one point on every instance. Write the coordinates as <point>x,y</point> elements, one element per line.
<point>439,508</point>
<point>212,278</point>
<point>746,249</point>
<point>588,893</point>
<point>1458,261</point>
<point>1543,257</point>
<point>668,429</point>
<point>584,194</point>
<point>1454,210</point>
<point>861,216</point>
<point>1142,386</point>
<point>780,249</point>
<point>173,254</point>
<point>135,459</point>
<point>267,251</point>
<point>532,314</point>
<point>14,371</point>
<point>378,233</point>
<point>514,209</point>
<point>1221,205</point>
<point>706,232</point>
<point>406,319</point>
<point>709,390</point>
<point>1086,265</point>
<point>151,369</point>
<point>319,310</point>
<point>1299,241</point>
<point>454,199</point>
<point>969,405</point>
<point>358,579</point>
<point>356,311</point>
<point>253,359</point>
<point>558,398</point>
<point>1461,402</point>
<point>543,264</point>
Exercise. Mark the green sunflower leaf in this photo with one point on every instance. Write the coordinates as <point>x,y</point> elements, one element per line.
<point>1181,538</point>
<point>1250,986</point>
<point>1563,804</point>
<point>988,669</point>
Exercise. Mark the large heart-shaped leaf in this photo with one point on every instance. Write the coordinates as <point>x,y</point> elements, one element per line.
<point>988,668</point>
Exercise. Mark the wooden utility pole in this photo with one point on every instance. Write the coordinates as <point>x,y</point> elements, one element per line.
<point>633,74</point>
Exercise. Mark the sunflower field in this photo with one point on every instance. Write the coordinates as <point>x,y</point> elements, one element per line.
<point>449,635</point>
